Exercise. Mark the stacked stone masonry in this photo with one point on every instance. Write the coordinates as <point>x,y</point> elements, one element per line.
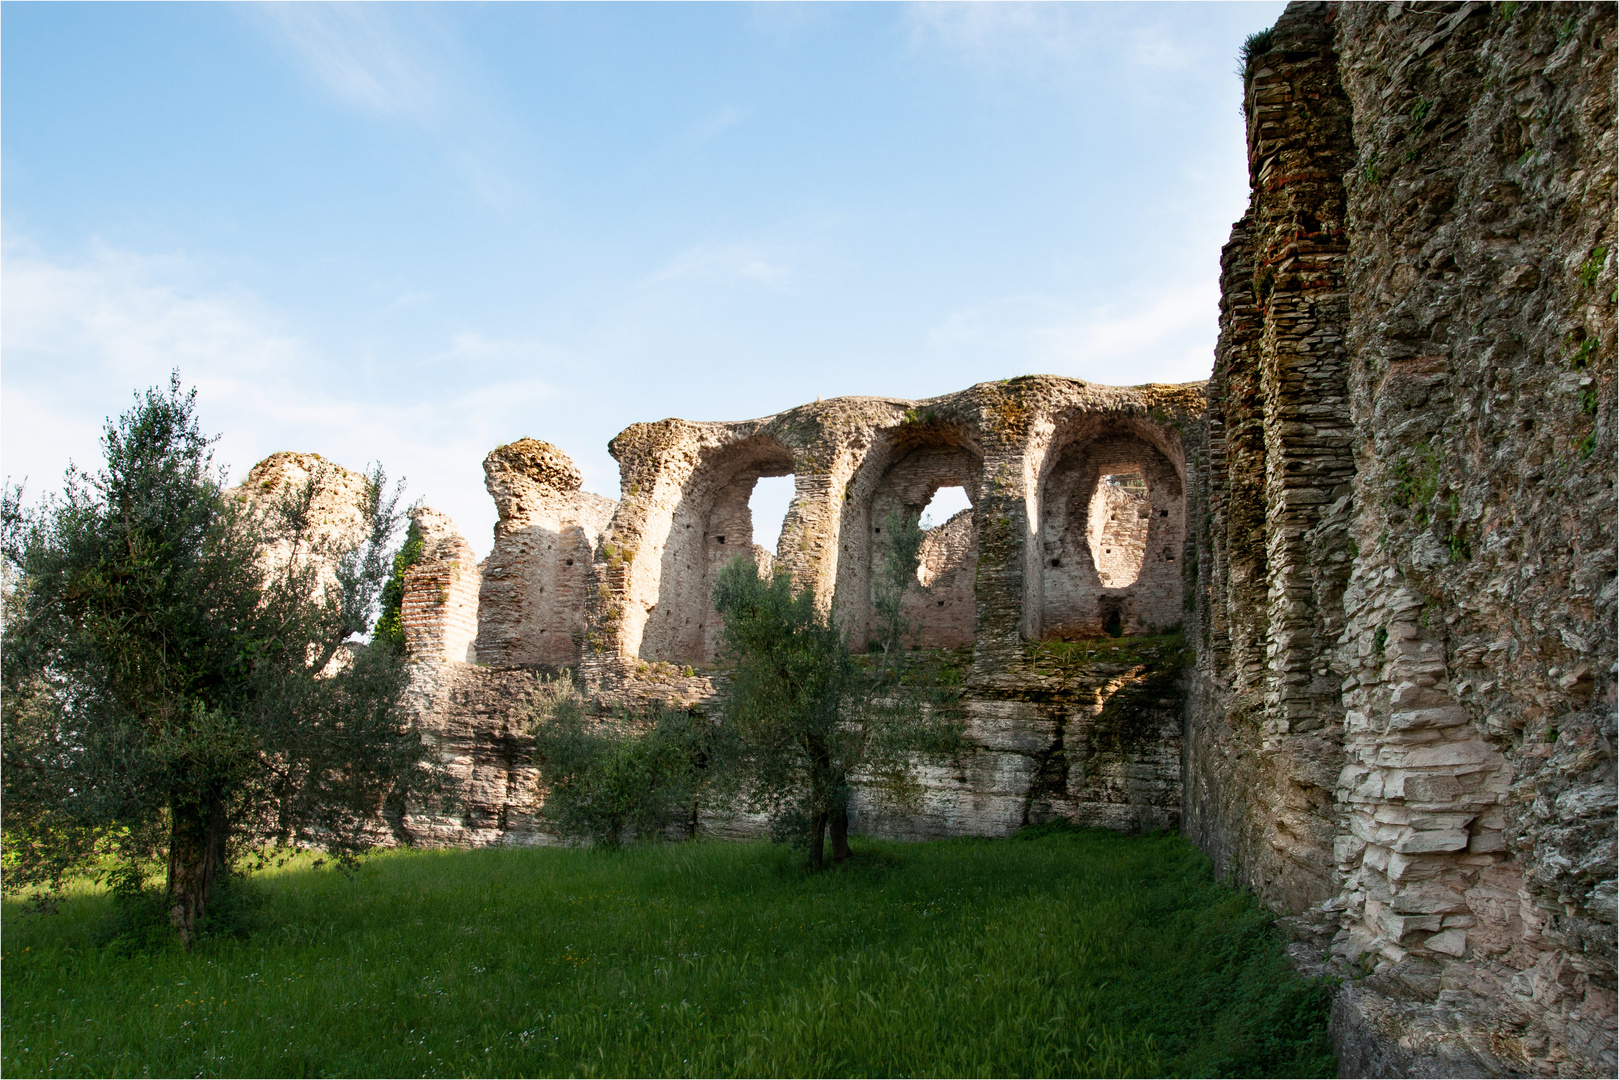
<point>1387,523</point>
<point>1401,725</point>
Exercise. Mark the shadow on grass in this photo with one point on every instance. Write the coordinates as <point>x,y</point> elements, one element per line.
<point>1069,950</point>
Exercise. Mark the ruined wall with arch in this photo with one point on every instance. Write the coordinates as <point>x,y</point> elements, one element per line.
<point>619,593</point>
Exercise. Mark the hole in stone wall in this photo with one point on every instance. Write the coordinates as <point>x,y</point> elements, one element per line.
<point>1118,520</point>
<point>768,504</point>
<point>946,503</point>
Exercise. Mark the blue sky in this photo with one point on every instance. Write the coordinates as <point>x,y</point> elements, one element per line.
<point>409,233</point>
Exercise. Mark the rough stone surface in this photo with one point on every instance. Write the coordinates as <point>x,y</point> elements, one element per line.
<point>535,582</point>
<point>1402,720</point>
<point>336,507</point>
<point>439,611</point>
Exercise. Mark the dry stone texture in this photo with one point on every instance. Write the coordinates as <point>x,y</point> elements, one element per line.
<point>1402,721</point>
<point>535,582</point>
<point>336,510</point>
<point>439,611</point>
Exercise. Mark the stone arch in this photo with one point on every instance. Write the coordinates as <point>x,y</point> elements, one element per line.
<point>1087,576</point>
<point>711,525</point>
<point>902,470</point>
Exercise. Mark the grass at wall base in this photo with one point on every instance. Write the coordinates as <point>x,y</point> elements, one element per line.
<point>1073,953</point>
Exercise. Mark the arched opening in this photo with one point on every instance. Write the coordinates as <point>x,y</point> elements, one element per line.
<point>943,610</point>
<point>1119,515</point>
<point>1112,525</point>
<point>946,503</point>
<point>712,525</point>
<point>926,471</point>
<point>772,495</point>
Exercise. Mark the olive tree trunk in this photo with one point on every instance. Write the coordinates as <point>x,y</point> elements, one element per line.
<point>197,837</point>
<point>817,838</point>
<point>840,834</point>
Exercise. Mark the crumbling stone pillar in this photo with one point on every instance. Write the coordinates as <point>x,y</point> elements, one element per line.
<point>537,579</point>
<point>439,611</point>
<point>1283,440</point>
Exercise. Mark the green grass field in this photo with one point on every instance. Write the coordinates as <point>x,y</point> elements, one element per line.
<point>1074,954</point>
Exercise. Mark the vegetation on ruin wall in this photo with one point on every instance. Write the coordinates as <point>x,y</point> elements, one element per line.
<point>390,626</point>
<point>1077,953</point>
<point>1152,667</point>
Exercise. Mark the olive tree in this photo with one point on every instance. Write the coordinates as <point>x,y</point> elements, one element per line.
<point>172,692</point>
<point>802,718</point>
<point>630,774</point>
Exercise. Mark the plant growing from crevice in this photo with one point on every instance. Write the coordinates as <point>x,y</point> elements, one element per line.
<point>1254,45</point>
<point>390,629</point>
<point>1416,481</point>
<point>1368,170</point>
<point>1588,400</point>
<point>1584,346</point>
<point>1591,268</point>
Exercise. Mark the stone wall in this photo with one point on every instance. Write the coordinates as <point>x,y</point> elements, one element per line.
<point>439,610</point>
<point>1090,732</point>
<point>475,721</point>
<point>536,582</point>
<point>1402,720</point>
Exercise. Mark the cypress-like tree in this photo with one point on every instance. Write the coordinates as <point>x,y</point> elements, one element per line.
<point>172,692</point>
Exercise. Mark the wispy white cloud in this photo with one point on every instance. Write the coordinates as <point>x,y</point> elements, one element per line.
<point>718,263</point>
<point>1166,337</point>
<point>79,336</point>
<point>1045,38</point>
<point>359,54</point>
<point>403,63</point>
<point>708,129</point>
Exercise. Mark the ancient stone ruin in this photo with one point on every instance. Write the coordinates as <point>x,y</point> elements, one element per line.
<point>1344,615</point>
<point>1077,527</point>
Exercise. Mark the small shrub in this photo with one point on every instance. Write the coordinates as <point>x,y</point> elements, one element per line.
<point>617,778</point>
<point>1256,44</point>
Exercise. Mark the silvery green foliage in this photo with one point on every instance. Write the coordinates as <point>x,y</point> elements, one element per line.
<point>801,718</point>
<point>171,693</point>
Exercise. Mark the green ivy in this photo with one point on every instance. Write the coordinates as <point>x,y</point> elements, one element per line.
<point>390,627</point>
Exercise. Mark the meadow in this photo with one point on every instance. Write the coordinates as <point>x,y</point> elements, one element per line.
<point>1062,953</point>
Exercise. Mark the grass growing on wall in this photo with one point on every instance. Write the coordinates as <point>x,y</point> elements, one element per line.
<point>1070,953</point>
